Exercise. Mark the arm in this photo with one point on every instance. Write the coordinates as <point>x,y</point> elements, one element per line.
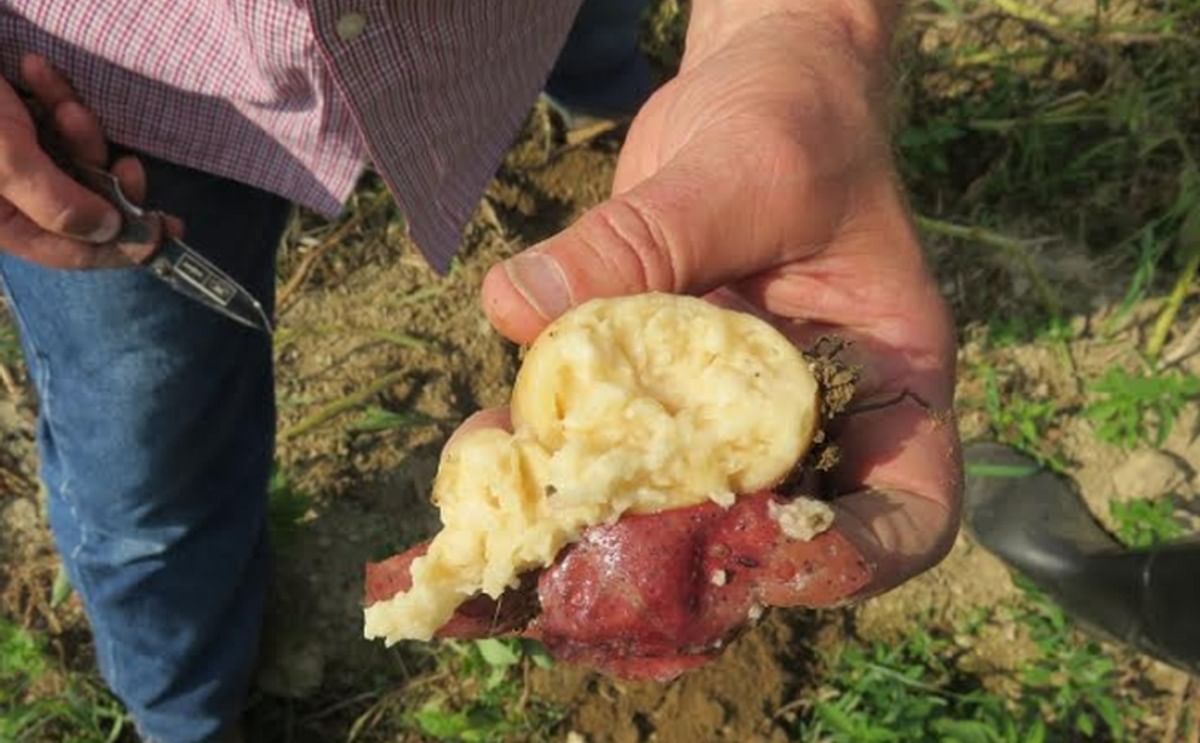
<point>866,25</point>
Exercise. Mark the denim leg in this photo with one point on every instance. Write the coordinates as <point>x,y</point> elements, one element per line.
<point>601,70</point>
<point>156,435</point>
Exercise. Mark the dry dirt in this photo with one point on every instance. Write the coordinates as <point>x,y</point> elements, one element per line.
<point>373,309</point>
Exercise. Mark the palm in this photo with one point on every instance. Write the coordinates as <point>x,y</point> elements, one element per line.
<point>826,215</point>
<point>761,178</point>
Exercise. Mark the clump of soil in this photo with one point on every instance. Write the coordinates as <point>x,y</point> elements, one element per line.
<point>837,381</point>
<point>734,698</point>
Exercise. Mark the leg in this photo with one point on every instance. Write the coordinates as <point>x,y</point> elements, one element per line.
<point>601,70</point>
<point>156,434</point>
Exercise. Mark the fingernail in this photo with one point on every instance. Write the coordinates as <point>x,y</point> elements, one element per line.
<point>540,281</point>
<point>110,225</point>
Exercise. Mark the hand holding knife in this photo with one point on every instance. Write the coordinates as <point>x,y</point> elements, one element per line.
<point>165,257</point>
<point>169,259</point>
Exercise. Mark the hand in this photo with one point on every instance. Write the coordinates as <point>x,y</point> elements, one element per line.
<point>45,216</point>
<point>761,177</point>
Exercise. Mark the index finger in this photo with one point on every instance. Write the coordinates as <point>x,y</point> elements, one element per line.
<point>40,191</point>
<point>78,127</point>
<point>51,199</point>
<point>904,512</point>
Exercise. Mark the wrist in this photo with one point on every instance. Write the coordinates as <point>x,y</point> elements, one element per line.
<point>863,27</point>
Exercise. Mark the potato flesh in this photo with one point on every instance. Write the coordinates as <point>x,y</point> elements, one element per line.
<point>628,405</point>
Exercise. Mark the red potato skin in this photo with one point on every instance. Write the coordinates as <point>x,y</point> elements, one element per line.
<point>656,595</point>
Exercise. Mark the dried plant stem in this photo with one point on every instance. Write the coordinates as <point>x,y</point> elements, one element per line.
<point>1017,249</point>
<point>1166,318</point>
<point>10,384</point>
<point>300,275</point>
<point>1187,345</point>
<point>1177,711</point>
<point>331,410</point>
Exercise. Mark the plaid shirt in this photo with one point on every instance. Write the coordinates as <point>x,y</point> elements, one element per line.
<point>293,96</point>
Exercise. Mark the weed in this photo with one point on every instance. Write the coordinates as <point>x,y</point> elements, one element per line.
<point>1020,422</point>
<point>1130,409</point>
<point>375,419</point>
<point>909,691</point>
<point>1145,522</point>
<point>915,690</point>
<point>39,702</point>
<point>489,703</point>
<point>1035,325</point>
<point>1148,251</point>
<point>286,507</point>
<point>1071,680</point>
<point>663,28</point>
<point>10,345</point>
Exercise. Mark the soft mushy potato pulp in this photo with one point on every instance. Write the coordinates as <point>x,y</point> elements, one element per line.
<point>628,405</point>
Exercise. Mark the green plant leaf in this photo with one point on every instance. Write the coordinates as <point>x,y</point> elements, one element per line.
<point>537,653</point>
<point>441,724</point>
<point>498,653</point>
<point>61,590</point>
<point>376,419</point>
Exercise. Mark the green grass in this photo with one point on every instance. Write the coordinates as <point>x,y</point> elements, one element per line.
<point>481,698</point>
<point>10,344</point>
<point>1020,421</point>
<point>918,690</point>
<point>40,701</point>
<point>1145,522</point>
<point>495,707</point>
<point>1078,129</point>
<point>287,505</point>
<point>1131,409</point>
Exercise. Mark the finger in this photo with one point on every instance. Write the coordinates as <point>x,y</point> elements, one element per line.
<point>78,127</point>
<point>174,226</point>
<point>25,239</point>
<point>706,219</point>
<point>131,175</point>
<point>490,418</point>
<point>47,84</point>
<point>132,178</point>
<point>30,181</point>
<point>79,131</point>
<point>140,244</point>
<point>900,535</point>
<point>901,467</point>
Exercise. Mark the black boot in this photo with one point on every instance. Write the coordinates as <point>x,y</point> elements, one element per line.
<point>1035,522</point>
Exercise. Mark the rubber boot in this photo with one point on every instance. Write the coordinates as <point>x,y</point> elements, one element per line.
<point>1036,523</point>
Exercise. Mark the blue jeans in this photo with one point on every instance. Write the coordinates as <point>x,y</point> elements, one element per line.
<point>601,70</point>
<point>155,432</point>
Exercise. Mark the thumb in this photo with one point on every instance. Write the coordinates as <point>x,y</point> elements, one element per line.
<point>681,231</point>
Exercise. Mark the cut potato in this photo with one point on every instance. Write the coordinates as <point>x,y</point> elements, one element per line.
<point>627,405</point>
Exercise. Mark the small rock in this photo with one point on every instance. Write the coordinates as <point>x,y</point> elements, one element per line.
<point>19,517</point>
<point>1148,474</point>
